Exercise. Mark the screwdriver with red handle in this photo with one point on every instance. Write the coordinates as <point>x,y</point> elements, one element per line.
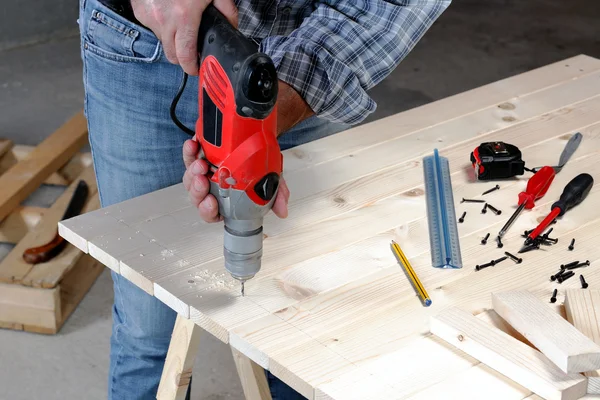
<point>537,186</point>
<point>573,194</point>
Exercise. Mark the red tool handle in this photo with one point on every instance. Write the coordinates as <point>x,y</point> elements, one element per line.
<point>544,224</point>
<point>537,186</point>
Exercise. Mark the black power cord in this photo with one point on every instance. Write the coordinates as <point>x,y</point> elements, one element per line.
<point>174,106</point>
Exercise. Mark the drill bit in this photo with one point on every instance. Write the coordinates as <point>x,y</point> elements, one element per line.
<point>243,289</point>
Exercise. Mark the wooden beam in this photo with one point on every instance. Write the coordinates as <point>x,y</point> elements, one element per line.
<point>14,227</point>
<point>75,284</point>
<point>30,307</point>
<point>13,268</point>
<point>23,178</point>
<point>67,173</point>
<point>177,371</point>
<point>583,311</point>
<point>562,343</point>
<point>512,358</point>
<point>49,274</point>
<point>252,376</point>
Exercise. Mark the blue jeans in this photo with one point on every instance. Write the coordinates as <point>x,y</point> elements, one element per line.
<point>129,85</point>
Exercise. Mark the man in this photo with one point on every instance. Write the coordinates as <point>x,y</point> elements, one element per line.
<point>328,53</point>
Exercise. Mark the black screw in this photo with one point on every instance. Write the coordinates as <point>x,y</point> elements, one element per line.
<point>546,240</point>
<point>580,265</point>
<point>559,273</point>
<point>572,245</point>
<point>484,209</point>
<point>516,259</point>
<point>484,240</point>
<point>492,189</point>
<point>471,201</point>
<point>565,276</point>
<point>553,298</point>
<point>584,284</point>
<point>494,209</point>
<point>499,242</point>
<point>526,233</point>
<point>545,235</point>
<point>499,260</point>
<point>567,266</point>
<point>482,266</point>
<point>462,218</point>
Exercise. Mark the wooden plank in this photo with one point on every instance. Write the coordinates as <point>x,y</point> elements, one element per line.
<point>39,308</point>
<point>16,225</point>
<point>562,343</point>
<point>384,308</point>
<point>66,174</point>
<point>439,112</point>
<point>49,274</point>
<point>492,318</point>
<point>510,357</point>
<point>13,268</point>
<point>339,201</point>
<point>326,242</point>
<point>572,220</point>
<point>23,178</point>
<point>343,303</point>
<point>252,376</point>
<point>177,371</point>
<point>583,311</point>
<point>75,284</point>
<point>46,310</point>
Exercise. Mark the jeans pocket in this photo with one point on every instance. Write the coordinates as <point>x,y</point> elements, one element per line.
<point>110,36</point>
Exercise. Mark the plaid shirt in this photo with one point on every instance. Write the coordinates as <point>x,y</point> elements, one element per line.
<point>333,51</point>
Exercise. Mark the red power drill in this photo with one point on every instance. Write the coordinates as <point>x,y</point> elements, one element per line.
<point>236,128</point>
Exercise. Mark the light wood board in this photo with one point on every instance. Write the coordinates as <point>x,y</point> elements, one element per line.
<point>583,311</point>
<point>554,336</point>
<point>507,355</point>
<point>331,313</point>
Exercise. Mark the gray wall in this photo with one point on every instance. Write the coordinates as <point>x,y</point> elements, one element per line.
<point>29,21</point>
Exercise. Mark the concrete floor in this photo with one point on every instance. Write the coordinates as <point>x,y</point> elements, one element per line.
<point>473,43</point>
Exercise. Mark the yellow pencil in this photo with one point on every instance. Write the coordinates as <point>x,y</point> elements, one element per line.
<point>410,272</point>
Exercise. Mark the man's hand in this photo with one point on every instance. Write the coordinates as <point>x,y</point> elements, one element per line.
<point>197,185</point>
<point>176,24</point>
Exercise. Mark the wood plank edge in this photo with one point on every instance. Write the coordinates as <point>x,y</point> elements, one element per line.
<point>105,258</point>
<point>73,238</point>
<point>173,302</point>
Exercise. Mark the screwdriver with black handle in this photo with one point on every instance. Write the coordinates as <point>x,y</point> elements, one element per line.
<point>537,186</point>
<point>573,194</point>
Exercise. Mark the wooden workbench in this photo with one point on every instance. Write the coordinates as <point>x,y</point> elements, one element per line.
<point>331,312</point>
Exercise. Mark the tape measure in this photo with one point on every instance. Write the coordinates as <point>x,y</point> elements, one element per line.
<point>499,160</point>
<point>441,215</point>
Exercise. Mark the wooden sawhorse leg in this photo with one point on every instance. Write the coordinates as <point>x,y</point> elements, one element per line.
<point>177,371</point>
<point>252,376</point>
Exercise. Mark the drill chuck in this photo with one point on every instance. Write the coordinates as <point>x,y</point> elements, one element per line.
<point>242,247</point>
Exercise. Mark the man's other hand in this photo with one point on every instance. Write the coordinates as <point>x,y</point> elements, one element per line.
<point>197,185</point>
<point>176,24</point>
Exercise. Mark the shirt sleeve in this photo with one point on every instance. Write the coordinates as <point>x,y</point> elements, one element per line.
<point>344,48</point>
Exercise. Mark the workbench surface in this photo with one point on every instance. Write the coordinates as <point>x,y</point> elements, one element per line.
<point>331,312</point>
